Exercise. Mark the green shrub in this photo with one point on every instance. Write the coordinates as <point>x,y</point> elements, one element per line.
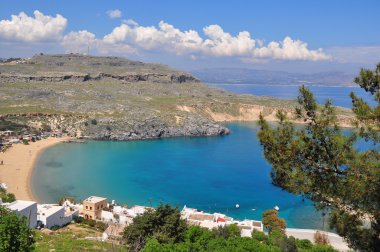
<point>78,219</point>
<point>101,226</point>
<point>227,231</point>
<point>304,244</point>
<point>259,236</point>
<point>322,248</point>
<point>91,223</point>
<point>8,197</point>
<point>94,122</point>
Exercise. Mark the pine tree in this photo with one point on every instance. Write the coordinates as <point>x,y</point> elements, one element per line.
<point>322,162</point>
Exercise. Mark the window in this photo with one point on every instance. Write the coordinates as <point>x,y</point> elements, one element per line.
<point>90,207</point>
<point>97,207</point>
<point>86,207</point>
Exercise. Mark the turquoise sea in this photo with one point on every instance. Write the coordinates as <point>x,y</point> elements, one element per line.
<point>209,173</point>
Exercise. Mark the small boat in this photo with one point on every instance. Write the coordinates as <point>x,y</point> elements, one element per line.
<point>276,208</point>
<point>237,206</point>
<point>253,209</point>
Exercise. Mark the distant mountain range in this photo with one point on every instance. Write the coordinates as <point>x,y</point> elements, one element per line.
<point>247,76</point>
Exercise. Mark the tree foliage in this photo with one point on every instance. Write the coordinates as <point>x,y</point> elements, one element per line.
<point>15,234</point>
<point>163,224</point>
<point>272,222</point>
<point>6,197</point>
<point>323,163</point>
<point>203,240</point>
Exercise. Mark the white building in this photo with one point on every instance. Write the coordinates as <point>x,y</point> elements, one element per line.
<point>125,220</point>
<point>54,215</point>
<point>210,221</point>
<point>108,216</point>
<point>27,209</point>
<point>122,215</point>
<point>137,210</point>
<point>247,226</point>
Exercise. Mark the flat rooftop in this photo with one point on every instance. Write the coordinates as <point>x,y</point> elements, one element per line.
<point>48,209</point>
<point>94,199</point>
<point>20,205</point>
<point>201,216</point>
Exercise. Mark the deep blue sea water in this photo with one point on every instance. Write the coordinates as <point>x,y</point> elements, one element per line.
<point>208,173</point>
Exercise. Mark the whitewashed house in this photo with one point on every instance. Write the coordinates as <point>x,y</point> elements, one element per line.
<point>121,215</point>
<point>125,220</point>
<point>108,216</point>
<point>247,226</point>
<point>54,215</point>
<point>210,221</point>
<point>25,208</point>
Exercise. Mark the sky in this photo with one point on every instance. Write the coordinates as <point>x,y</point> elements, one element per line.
<point>293,35</point>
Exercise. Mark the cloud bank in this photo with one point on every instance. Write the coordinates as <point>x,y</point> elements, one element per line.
<point>131,38</point>
<point>217,43</point>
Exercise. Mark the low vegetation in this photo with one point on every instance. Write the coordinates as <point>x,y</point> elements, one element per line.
<point>97,225</point>
<point>6,197</point>
<point>73,238</point>
<point>164,230</point>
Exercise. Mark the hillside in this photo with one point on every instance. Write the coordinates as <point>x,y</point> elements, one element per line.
<point>119,99</point>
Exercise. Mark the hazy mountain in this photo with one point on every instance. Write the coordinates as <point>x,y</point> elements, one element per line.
<point>245,75</point>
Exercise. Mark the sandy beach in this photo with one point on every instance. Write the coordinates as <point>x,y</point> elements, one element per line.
<point>18,166</point>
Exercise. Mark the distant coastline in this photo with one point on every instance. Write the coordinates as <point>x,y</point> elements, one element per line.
<point>283,85</point>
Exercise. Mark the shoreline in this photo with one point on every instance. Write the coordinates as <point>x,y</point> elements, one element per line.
<point>19,163</point>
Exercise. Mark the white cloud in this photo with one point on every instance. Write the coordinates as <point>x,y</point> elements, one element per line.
<point>130,22</point>
<point>165,37</point>
<point>290,49</point>
<point>78,42</point>
<point>114,13</point>
<point>220,43</point>
<point>217,43</point>
<point>130,37</point>
<point>24,28</point>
